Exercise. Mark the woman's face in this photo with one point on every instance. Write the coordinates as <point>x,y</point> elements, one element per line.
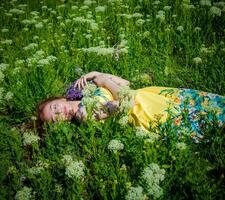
<point>59,109</point>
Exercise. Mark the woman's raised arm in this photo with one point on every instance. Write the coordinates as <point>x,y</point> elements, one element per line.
<point>81,82</point>
<point>104,81</point>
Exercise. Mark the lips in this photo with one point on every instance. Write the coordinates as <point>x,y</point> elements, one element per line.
<point>65,110</point>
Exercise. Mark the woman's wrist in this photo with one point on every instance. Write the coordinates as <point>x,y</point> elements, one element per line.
<point>92,75</point>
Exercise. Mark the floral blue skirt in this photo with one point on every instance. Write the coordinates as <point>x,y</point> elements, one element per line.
<point>195,112</point>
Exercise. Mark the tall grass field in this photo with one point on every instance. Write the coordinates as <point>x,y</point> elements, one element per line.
<point>47,44</point>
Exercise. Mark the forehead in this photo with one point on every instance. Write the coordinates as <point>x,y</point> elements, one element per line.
<point>47,112</point>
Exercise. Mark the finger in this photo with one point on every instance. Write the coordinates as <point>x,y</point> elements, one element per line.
<point>75,85</point>
<point>83,82</point>
<point>80,82</point>
<point>77,82</point>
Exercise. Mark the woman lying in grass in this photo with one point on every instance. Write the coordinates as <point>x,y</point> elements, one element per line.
<point>184,107</point>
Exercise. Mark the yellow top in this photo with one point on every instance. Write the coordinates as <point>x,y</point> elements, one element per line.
<point>149,104</point>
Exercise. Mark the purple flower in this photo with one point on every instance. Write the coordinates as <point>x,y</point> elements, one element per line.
<point>73,93</point>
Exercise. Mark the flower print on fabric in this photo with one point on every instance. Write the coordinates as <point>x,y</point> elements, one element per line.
<point>199,107</point>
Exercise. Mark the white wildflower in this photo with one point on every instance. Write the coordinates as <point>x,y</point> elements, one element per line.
<point>166,7</point>
<point>124,50</point>
<point>1,93</point>
<point>137,15</point>
<point>180,28</point>
<point>181,145</point>
<point>100,9</point>
<point>68,21</point>
<point>2,76</point>
<point>33,118</point>
<point>67,159</point>
<point>90,104</point>
<point>79,19</point>
<point>5,30</point>
<point>88,36</point>
<point>3,66</point>
<point>43,62</point>
<point>94,26</point>
<point>53,12</point>
<point>39,25</point>
<point>141,132</point>
<point>44,7</point>
<point>156,3</point>
<point>30,138</point>
<point>22,6</point>
<point>35,170</point>
<point>89,90</point>
<point>123,43</point>
<point>36,37</point>
<point>123,120</point>
<point>8,14</point>
<point>85,7</point>
<point>151,177</point>
<point>16,70</point>
<point>125,105</point>
<point>135,193</point>
<point>122,36</point>
<point>58,188</point>
<point>74,7</point>
<point>12,170</point>
<point>205,2</point>
<point>123,167</point>
<point>26,29</point>
<point>127,16</point>
<point>61,6</point>
<point>197,60</point>
<point>125,91</point>
<point>197,29</point>
<point>88,2</point>
<point>115,145</point>
<point>151,137</point>
<point>160,16</point>
<point>30,46</point>
<point>75,169</point>
<point>7,42</point>
<point>16,11</point>
<point>9,95</point>
<point>24,194</point>
<point>34,13</point>
<point>215,11</point>
<point>146,34</point>
<point>99,50</point>
<point>62,24</point>
<point>39,54</point>
<point>140,22</point>
<point>51,58</point>
<point>206,50</point>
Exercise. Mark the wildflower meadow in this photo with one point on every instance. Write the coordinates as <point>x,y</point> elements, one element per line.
<point>46,44</point>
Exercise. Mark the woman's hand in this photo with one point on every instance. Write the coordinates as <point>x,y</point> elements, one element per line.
<point>82,81</point>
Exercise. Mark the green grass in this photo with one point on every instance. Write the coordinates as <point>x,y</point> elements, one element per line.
<point>159,52</point>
